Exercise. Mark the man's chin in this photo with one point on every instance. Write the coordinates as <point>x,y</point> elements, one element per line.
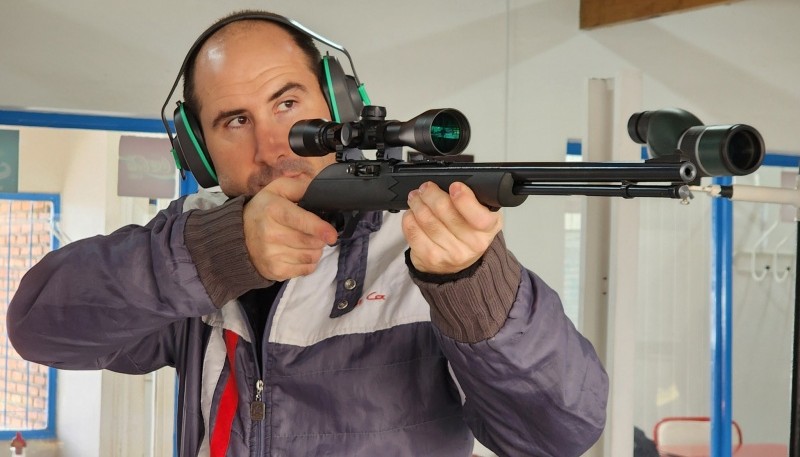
<point>234,191</point>
<point>255,186</point>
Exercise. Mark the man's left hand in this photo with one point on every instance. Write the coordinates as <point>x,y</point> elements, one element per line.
<point>448,232</point>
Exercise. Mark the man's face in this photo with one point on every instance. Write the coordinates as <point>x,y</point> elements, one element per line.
<point>253,83</point>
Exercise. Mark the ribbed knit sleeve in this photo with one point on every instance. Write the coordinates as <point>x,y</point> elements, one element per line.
<point>474,307</point>
<point>215,240</point>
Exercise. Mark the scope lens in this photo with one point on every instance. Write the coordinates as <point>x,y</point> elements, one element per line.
<point>723,150</point>
<point>436,132</point>
<point>445,132</point>
<point>744,149</point>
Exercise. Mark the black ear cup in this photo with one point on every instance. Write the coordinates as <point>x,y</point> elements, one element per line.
<point>191,150</point>
<point>340,90</point>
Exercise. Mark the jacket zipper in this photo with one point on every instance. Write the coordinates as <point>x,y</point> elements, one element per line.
<point>257,406</point>
<point>258,409</point>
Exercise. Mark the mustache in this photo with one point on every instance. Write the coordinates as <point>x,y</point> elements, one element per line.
<point>266,175</point>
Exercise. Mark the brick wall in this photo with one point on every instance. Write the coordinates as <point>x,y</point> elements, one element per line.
<point>25,237</point>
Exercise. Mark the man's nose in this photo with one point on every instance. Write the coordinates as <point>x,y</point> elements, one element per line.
<point>272,143</point>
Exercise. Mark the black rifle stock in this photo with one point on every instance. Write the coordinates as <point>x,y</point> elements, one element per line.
<point>684,151</point>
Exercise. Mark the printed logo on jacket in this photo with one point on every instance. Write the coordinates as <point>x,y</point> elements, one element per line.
<point>390,298</point>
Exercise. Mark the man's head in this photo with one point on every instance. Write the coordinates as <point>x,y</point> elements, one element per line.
<point>247,84</point>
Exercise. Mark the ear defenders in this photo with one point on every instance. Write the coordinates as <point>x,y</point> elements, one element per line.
<point>344,94</point>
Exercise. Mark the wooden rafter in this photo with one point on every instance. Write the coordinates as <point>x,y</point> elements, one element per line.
<point>597,13</point>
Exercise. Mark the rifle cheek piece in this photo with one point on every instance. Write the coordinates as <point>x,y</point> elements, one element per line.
<point>716,150</point>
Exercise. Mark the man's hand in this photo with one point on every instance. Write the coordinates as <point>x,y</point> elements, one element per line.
<point>284,240</point>
<point>448,232</point>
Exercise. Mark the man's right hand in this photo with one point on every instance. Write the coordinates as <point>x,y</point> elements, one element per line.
<point>284,241</point>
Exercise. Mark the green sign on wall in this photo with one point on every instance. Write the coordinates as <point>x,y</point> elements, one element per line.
<point>9,160</point>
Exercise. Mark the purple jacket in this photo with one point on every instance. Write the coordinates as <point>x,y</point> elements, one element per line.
<point>363,357</point>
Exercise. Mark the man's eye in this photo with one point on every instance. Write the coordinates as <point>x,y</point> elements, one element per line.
<point>238,121</point>
<point>286,105</point>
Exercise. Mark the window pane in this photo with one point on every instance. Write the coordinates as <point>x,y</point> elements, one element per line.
<point>26,235</point>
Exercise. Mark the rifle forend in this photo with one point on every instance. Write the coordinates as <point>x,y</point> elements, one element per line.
<point>384,184</point>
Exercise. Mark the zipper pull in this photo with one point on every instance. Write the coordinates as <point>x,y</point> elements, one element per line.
<point>257,408</point>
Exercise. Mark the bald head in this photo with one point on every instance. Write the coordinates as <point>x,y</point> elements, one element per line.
<point>237,31</point>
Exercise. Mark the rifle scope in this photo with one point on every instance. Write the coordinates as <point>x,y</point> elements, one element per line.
<point>436,132</point>
<point>716,150</point>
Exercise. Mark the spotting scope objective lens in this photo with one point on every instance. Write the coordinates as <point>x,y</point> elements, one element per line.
<point>721,150</point>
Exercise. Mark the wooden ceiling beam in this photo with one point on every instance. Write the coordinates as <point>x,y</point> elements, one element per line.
<point>597,13</point>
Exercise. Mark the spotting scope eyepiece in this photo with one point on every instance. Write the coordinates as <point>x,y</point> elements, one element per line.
<point>716,150</point>
<point>436,132</point>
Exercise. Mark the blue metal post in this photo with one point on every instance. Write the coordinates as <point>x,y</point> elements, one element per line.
<point>721,316</point>
<point>188,186</point>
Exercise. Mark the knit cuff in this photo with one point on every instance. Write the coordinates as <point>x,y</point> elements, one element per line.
<point>474,308</point>
<point>215,240</point>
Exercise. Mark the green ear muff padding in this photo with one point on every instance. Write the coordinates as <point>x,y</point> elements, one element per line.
<point>191,148</point>
<point>327,89</point>
<point>341,91</point>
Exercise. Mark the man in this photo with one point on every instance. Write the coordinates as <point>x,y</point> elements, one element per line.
<point>246,295</point>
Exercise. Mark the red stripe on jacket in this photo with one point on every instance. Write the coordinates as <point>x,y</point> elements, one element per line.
<point>227,405</point>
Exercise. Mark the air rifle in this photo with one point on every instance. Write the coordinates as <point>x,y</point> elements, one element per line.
<point>683,150</point>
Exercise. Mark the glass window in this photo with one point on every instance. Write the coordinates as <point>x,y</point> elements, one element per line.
<point>27,233</point>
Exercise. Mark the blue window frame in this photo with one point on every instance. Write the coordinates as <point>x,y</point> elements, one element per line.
<point>28,228</point>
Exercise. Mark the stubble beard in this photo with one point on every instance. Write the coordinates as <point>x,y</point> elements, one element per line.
<point>265,175</point>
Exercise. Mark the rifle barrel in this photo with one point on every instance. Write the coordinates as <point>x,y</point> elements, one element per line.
<point>600,190</point>
<point>556,172</point>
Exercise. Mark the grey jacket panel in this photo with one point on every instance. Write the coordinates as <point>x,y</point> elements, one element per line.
<point>388,389</point>
<point>535,388</point>
<point>110,302</point>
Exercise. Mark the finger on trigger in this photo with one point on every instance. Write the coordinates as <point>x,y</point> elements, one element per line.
<point>311,224</point>
<point>291,189</point>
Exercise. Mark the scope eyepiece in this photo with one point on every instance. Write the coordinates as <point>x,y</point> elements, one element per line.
<point>716,150</point>
<point>315,137</point>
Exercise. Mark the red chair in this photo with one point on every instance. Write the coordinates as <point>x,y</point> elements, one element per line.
<point>688,436</point>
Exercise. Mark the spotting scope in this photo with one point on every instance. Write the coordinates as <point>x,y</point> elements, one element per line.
<point>716,150</point>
